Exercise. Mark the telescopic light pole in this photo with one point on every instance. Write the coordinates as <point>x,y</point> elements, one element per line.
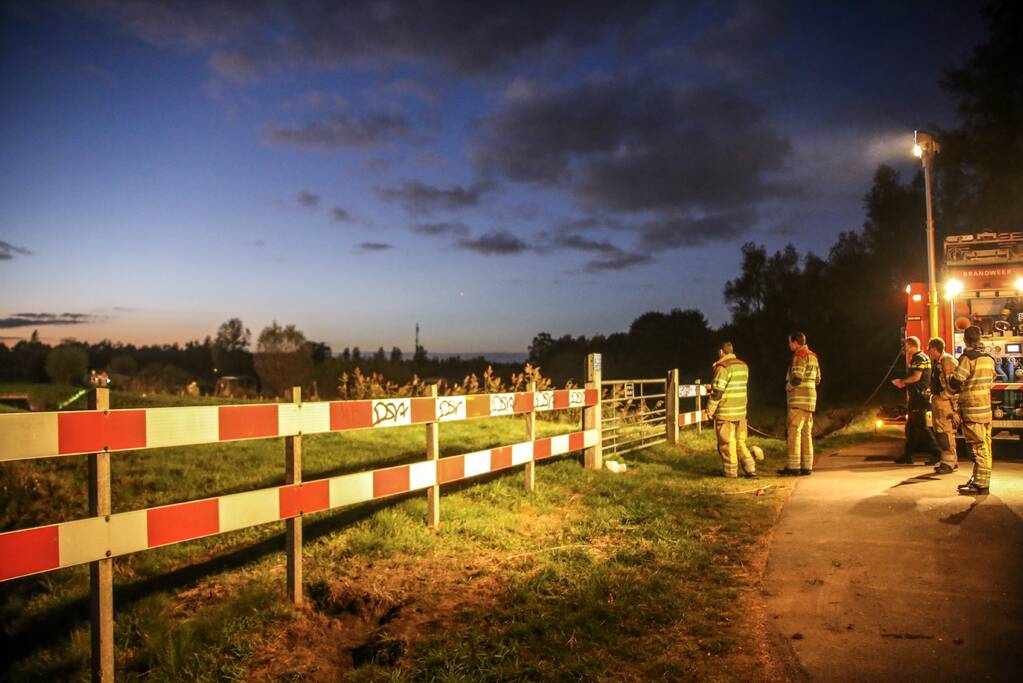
<point>925,148</point>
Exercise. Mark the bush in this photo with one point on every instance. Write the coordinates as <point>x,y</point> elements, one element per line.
<point>67,364</point>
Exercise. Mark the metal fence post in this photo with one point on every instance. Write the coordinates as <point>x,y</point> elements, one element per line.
<point>293,526</point>
<point>593,457</point>
<point>433,453</point>
<point>531,436</point>
<point>101,572</point>
<point>699,408</point>
<point>671,406</point>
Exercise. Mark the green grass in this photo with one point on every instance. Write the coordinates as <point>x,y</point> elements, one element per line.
<point>593,576</point>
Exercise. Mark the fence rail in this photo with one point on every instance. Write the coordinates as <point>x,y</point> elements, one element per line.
<point>41,435</point>
<point>621,422</point>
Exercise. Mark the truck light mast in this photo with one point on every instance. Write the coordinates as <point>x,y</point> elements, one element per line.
<point>925,147</point>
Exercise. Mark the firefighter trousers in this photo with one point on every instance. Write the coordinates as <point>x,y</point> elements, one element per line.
<point>944,422</point>
<point>800,437</point>
<point>978,438</point>
<point>919,437</point>
<point>732,447</point>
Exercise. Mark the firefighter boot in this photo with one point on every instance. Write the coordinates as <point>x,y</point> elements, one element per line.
<point>971,489</point>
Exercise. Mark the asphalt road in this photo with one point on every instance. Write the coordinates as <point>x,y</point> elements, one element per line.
<point>881,572</point>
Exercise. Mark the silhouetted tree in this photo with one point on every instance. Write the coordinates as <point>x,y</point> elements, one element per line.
<point>282,358</point>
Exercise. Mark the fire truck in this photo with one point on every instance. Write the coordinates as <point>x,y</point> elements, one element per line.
<point>982,276</point>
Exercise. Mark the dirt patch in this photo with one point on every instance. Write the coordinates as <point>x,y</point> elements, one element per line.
<point>373,615</point>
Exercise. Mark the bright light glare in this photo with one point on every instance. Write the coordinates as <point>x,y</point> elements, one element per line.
<point>909,288</point>
<point>918,151</point>
<point>917,297</point>
<point>1018,284</point>
<point>953,288</point>
<point>878,424</point>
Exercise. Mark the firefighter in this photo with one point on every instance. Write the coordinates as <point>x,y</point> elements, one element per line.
<point>727,407</point>
<point>972,381</point>
<point>918,398</point>
<point>801,382</point>
<point>944,405</point>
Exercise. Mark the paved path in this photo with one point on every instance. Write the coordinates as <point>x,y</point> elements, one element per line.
<point>879,572</point>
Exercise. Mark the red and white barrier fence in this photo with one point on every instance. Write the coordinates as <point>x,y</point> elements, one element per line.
<point>41,435</point>
<point>41,549</point>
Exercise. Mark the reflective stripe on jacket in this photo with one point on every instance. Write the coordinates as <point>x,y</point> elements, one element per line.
<point>802,379</point>
<point>944,367</point>
<point>728,392</point>
<point>972,382</point>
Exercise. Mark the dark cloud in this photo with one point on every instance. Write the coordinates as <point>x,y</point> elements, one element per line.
<point>497,242</point>
<point>342,129</point>
<point>441,229</point>
<point>746,44</point>
<point>37,319</point>
<point>308,199</point>
<point>375,246</point>
<point>250,38</point>
<point>339,215</point>
<point>418,197</point>
<point>639,146</point>
<point>8,251</point>
<point>684,231</point>
<point>608,256</point>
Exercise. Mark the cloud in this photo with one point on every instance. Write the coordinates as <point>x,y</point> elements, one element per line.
<point>339,215</point>
<point>608,256</point>
<point>374,246</point>
<point>37,319</point>
<point>686,231</point>
<point>418,197</point>
<point>308,199</point>
<point>256,244</point>
<point>621,148</point>
<point>634,145</point>
<point>8,251</point>
<point>439,229</point>
<point>497,242</point>
<point>342,129</point>
<point>248,39</point>
<point>746,44</point>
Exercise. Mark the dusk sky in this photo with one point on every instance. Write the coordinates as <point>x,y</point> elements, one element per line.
<point>489,171</point>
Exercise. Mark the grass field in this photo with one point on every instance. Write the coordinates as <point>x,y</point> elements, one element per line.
<point>595,576</point>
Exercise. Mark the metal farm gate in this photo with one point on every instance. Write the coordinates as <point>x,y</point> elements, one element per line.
<point>632,414</point>
<point>639,413</point>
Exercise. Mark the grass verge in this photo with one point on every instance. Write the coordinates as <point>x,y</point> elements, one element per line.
<point>594,576</point>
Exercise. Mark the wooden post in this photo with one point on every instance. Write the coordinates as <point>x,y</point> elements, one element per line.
<point>671,406</point>
<point>531,436</point>
<point>293,526</point>
<point>433,453</point>
<point>101,572</point>
<point>699,408</point>
<point>593,457</point>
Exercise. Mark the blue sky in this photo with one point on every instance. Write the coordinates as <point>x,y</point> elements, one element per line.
<point>489,173</point>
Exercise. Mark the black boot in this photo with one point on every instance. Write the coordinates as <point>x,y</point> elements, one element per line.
<point>906,459</point>
<point>971,489</point>
<point>805,472</point>
<point>787,472</point>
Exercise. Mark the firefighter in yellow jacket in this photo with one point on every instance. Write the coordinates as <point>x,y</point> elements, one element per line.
<point>944,405</point>
<point>801,381</point>
<point>727,407</point>
<point>972,382</point>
